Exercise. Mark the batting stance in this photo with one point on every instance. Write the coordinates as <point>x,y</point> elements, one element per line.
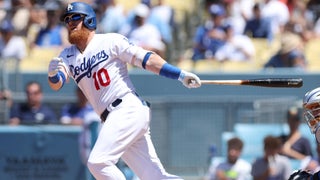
<point>98,64</point>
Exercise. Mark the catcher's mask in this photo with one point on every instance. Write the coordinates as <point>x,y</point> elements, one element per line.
<point>311,107</point>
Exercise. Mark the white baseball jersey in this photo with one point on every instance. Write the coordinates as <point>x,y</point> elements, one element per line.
<point>101,70</point>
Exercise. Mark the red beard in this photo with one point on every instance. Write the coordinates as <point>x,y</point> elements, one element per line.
<point>78,36</point>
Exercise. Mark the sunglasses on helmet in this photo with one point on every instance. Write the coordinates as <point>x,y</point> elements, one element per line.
<point>73,17</point>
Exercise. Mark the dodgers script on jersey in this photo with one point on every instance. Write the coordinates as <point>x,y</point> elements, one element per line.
<point>98,68</point>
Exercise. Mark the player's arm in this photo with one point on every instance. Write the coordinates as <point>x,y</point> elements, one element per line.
<point>57,73</point>
<point>154,63</point>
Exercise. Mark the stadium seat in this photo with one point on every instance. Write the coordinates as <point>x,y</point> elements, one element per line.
<point>264,50</point>
<point>313,55</point>
<point>186,64</point>
<point>38,59</point>
<point>207,65</point>
<point>238,66</point>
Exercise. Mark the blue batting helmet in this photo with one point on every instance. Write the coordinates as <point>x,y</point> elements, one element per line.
<point>82,8</point>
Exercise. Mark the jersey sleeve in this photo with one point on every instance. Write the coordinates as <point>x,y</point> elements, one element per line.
<point>129,52</point>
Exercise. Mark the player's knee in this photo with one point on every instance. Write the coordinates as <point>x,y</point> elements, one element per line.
<point>96,166</point>
<point>105,171</point>
<point>90,166</point>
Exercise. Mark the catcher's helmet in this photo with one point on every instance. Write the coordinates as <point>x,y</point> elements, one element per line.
<point>311,107</point>
<point>82,8</point>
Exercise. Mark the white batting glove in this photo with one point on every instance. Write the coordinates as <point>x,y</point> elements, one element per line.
<point>189,80</point>
<point>55,65</point>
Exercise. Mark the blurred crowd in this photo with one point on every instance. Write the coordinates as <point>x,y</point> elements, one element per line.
<point>232,25</point>
<point>282,153</point>
<point>224,30</point>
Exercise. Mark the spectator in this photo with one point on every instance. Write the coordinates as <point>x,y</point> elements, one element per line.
<point>112,16</point>
<point>20,14</point>
<point>162,16</point>
<point>81,113</point>
<point>295,146</point>
<point>36,22</point>
<point>210,36</point>
<point>301,19</point>
<point>237,13</point>
<point>277,12</point>
<point>76,113</point>
<point>33,111</point>
<point>316,28</point>
<point>5,6</point>
<point>258,26</point>
<point>53,34</point>
<point>272,165</point>
<point>6,103</point>
<point>290,54</point>
<point>5,94</point>
<point>238,47</point>
<point>11,45</point>
<point>234,167</point>
<point>142,33</point>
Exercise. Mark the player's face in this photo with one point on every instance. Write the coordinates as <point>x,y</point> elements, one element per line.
<point>76,31</point>
<point>312,115</point>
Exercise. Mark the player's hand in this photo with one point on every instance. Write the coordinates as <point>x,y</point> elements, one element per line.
<point>55,65</point>
<point>189,80</point>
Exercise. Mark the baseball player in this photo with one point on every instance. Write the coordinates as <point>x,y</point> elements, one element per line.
<point>98,65</point>
<point>311,108</point>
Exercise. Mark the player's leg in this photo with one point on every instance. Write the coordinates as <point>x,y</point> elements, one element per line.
<point>141,157</point>
<point>128,122</point>
<point>105,154</point>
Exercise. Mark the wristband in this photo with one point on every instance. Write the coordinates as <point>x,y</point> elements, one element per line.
<point>170,71</point>
<point>145,59</point>
<point>56,78</point>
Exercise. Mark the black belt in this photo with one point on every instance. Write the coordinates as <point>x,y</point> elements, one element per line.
<point>115,103</point>
<point>105,113</point>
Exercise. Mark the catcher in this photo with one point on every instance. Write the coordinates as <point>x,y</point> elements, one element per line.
<point>311,107</point>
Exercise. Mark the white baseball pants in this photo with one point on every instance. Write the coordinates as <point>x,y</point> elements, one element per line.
<point>125,134</point>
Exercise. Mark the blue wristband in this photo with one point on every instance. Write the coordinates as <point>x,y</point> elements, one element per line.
<point>145,59</point>
<point>170,71</point>
<point>56,78</point>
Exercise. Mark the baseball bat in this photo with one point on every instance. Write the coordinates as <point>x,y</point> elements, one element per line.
<point>263,82</point>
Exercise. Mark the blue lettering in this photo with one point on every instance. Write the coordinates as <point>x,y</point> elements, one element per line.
<point>85,68</point>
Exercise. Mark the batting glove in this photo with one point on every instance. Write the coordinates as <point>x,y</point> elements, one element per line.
<point>189,80</point>
<point>56,65</point>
